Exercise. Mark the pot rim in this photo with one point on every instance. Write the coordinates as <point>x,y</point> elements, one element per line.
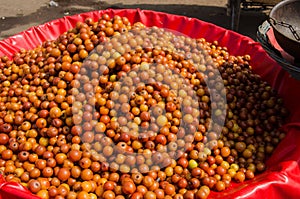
<point>271,18</point>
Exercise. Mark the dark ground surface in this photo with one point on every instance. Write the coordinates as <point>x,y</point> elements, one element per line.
<point>249,19</point>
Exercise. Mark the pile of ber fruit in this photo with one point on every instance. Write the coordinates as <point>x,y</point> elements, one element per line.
<point>114,110</point>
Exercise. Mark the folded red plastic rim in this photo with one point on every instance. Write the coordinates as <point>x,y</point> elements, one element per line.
<point>282,177</point>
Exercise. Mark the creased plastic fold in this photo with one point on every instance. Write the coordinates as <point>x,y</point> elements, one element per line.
<point>282,178</point>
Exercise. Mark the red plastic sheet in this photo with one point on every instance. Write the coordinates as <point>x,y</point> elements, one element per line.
<point>282,178</point>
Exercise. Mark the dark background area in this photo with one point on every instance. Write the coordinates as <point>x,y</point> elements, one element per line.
<point>250,18</point>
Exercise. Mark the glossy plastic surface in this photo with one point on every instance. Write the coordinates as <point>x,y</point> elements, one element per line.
<point>282,178</point>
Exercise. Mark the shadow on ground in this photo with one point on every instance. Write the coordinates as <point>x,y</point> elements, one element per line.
<point>249,21</point>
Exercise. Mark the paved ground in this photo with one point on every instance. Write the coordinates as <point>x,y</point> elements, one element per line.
<point>19,15</point>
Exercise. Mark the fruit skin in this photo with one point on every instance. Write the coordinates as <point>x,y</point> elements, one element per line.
<point>192,164</point>
<point>128,187</point>
<point>4,138</point>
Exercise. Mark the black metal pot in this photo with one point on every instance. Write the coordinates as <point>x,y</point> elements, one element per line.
<point>285,20</point>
